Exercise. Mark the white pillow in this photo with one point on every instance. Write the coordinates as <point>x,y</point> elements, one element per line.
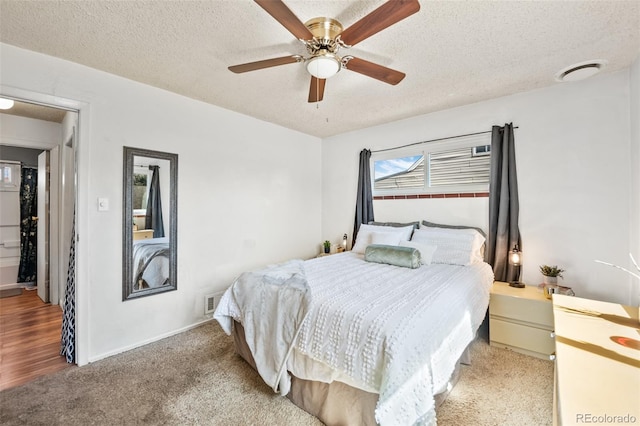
<point>455,246</point>
<point>364,235</point>
<point>426,250</point>
<point>386,238</point>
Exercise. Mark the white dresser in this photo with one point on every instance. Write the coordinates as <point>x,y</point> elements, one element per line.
<point>597,378</point>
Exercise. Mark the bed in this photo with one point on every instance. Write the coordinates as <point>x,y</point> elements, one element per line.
<point>355,341</point>
<point>150,263</point>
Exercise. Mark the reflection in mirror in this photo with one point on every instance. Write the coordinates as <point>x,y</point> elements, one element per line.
<point>150,223</point>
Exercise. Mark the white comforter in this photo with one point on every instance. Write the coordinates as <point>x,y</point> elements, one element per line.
<point>391,330</point>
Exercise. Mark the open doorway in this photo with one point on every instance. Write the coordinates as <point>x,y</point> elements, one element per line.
<point>37,154</point>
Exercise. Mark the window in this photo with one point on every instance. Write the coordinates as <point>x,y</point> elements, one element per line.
<point>140,191</point>
<point>455,165</point>
<point>399,173</point>
<point>10,179</point>
<point>141,181</point>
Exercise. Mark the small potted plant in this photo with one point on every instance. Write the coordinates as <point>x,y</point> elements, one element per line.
<point>551,274</point>
<point>327,246</point>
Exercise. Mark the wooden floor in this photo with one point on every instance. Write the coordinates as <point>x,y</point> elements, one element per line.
<point>29,339</point>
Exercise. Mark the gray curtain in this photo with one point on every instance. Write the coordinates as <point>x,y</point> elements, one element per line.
<point>504,207</point>
<point>364,201</point>
<point>154,205</point>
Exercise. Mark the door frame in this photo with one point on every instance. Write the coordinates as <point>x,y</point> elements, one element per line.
<point>43,275</point>
<point>82,157</point>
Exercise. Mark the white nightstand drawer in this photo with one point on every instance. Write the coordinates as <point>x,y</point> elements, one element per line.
<point>522,309</point>
<point>521,336</point>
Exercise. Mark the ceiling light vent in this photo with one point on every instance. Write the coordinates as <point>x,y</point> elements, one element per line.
<point>581,70</point>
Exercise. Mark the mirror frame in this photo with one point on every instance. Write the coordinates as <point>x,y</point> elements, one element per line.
<point>128,292</point>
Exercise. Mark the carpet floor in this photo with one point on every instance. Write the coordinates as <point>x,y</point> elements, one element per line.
<point>195,378</point>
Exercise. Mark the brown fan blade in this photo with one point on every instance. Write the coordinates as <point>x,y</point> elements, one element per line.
<point>376,71</point>
<point>316,89</point>
<point>267,63</point>
<point>285,16</point>
<point>386,15</point>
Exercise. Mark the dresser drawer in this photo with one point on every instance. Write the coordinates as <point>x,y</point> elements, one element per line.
<point>521,336</point>
<point>143,234</point>
<point>538,312</point>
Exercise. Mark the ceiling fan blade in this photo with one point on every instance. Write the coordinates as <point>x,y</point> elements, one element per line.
<point>386,15</point>
<point>287,19</point>
<point>267,63</point>
<point>316,89</point>
<point>376,71</point>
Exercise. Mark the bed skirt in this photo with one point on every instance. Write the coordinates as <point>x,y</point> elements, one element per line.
<point>335,403</point>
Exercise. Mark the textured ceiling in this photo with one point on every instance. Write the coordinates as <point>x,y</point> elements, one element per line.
<point>453,52</point>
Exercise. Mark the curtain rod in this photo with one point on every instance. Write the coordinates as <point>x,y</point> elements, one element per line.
<point>436,140</point>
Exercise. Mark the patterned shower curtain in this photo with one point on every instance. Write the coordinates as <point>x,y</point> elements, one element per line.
<point>68,340</point>
<point>28,225</point>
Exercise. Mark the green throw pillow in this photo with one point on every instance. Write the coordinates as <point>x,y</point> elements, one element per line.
<point>407,257</point>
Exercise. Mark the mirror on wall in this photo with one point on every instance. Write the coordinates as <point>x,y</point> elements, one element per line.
<point>150,220</point>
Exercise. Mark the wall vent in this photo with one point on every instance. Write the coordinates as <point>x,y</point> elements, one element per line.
<point>211,302</point>
<point>481,150</point>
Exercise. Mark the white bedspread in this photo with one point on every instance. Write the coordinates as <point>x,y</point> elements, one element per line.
<point>395,331</point>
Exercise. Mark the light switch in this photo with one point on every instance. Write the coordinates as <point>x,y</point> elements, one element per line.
<point>103,204</point>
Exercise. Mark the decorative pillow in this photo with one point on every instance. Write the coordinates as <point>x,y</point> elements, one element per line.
<point>440,225</point>
<point>406,257</point>
<point>364,235</point>
<point>455,246</point>
<point>426,250</point>
<point>426,224</point>
<point>396,224</point>
<point>386,238</point>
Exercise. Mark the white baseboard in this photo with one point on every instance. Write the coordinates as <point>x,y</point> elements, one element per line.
<point>9,286</point>
<point>15,285</point>
<point>146,342</point>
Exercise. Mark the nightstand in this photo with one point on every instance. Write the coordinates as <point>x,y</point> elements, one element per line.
<point>521,319</point>
<point>143,234</point>
<point>340,250</point>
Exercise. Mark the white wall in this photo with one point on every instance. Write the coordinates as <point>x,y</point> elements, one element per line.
<point>572,147</point>
<point>248,194</point>
<point>28,132</point>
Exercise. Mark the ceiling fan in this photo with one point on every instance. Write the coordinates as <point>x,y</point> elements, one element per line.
<point>323,37</point>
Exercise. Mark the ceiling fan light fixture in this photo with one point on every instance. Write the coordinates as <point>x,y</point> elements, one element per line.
<point>6,103</point>
<point>324,66</point>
